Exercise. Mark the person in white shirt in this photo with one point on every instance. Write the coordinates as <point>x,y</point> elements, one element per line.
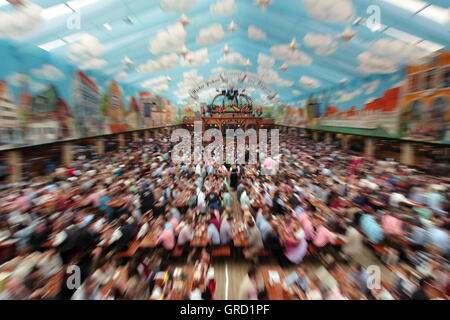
<point>353,247</point>
<point>201,198</point>
<point>198,168</point>
<point>245,200</point>
<point>136,213</point>
<point>104,273</point>
<point>213,234</point>
<point>396,198</point>
<point>89,290</point>
<point>143,230</point>
<point>50,263</point>
<point>187,233</point>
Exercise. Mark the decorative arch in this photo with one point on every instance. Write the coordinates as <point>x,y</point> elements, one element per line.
<point>236,78</point>
<point>232,103</point>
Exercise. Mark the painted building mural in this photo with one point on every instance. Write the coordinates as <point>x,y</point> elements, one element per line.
<point>44,99</point>
<point>410,104</point>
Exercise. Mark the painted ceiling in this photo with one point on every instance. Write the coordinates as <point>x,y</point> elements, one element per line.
<point>166,46</point>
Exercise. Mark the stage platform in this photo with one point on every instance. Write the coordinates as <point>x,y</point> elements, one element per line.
<point>230,121</point>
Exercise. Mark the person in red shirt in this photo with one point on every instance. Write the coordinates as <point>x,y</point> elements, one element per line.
<point>70,172</point>
<point>214,221</point>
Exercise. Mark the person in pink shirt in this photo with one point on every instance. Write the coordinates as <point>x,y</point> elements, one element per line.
<point>323,237</point>
<point>307,225</point>
<point>166,239</point>
<point>22,203</point>
<point>392,225</point>
<point>335,294</point>
<point>173,221</point>
<point>94,198</point>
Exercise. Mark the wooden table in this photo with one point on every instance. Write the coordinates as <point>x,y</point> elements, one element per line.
<point>133,247</point>
<point>49,243</point>
<point>320,206</point>
<point>149,240</point>
<point>200,240</point>
<point>240,237</point>
<point>116,203</point>
<point>186,284</point>
<point>377,203</point>
<point>275,291</point>
<point>55,284</point>
<point>119,279</point>
<point>431,291</point>
<point>7,249</point>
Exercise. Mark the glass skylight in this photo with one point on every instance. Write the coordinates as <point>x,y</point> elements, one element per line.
<point>52,45</point>
<point>400,35</point>
<point>436,13</point>
<point>410,5</point>
<point>55,11</point>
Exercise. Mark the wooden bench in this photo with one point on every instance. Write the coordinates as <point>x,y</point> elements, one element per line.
<point>177,252</point>
<point>264,253</point>
<point>311,250</point>
<point>130,252</point>
<point>379,249</point>
<point>221,251</point>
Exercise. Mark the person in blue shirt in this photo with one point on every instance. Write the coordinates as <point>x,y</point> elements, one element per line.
<point>262,222</point>
<point>361,277</point>
<point>299,278</point>
<point>417,235</point>
<point>24,234</point>
<point>371,228</point>
<point>434,200</point>
<point>105,208</point>
<point>438,236</point>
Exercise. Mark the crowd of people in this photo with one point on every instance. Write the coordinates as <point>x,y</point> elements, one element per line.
<point>109,227</point>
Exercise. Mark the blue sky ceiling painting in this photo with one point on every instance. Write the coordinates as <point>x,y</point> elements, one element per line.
<point>166,46</point>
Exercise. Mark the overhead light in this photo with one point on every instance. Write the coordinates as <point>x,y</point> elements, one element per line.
<point>430,46</point>
<point>284,67</point>
<point>410,5</point>
<point>226,49</point>
<point>347,35</point>
<point>78,4</point>
<point>184,20</point>
<point>127,62</point>
<point>52,45</point>
<point>357,21</point>
<point>232,27</point>
<point>184,51</point>
<point>293,44</point>
<point>400,35</point>
<point>436,13</point>
<point>107,26</point>
<point>56,11</point>
<point>3,3</point>
<point>128,20</point>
